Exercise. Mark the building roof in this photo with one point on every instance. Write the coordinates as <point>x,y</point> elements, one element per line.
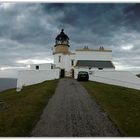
<point>95,64</point>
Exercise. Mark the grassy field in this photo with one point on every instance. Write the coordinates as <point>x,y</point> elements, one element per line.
<point>24,108</point>
<point>121,104</point>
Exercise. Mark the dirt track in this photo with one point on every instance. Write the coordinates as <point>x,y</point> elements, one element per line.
<point>71,112</point>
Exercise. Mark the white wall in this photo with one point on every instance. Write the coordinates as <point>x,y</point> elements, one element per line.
<point>30,77</point>
<point>72,57</point>
<point>120,78</point>
<point>41,66</point>
<point>113,77</point>
<point>93,55</point>
<point>65,61</point>
<point>77,69</point>
<point>56,60</point>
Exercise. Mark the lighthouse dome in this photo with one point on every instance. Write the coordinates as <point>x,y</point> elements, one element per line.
<point>62,39</point>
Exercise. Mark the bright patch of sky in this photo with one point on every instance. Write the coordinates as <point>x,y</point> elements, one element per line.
<point>127,47</point>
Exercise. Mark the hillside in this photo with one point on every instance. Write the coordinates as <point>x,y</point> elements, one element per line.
<point>19,111</point>
<point>121,104</point>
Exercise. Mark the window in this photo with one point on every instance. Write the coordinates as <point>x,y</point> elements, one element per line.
<point>72,62</point>
<point>100,68</point>
<point>37,67</point>
<point>59,58</point>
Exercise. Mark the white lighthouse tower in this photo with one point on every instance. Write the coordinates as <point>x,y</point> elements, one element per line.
<point>63,58</point>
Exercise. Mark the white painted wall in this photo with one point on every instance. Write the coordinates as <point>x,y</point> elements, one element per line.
<point>93,55</point>
<point>30,77</point>
<point>113,77</point>
<point>120,78</point>
<point>72,57</point>
<point>77,69</point>
<point>41,66</point>
<point>65,62</point>
<point>56,60</point>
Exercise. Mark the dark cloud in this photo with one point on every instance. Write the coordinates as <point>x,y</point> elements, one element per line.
<point>28,30</point>
<point>132,16</point>
<point>49,8</point>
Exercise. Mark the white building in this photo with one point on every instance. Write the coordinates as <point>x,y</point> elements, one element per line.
<point>47,66</point>
<point>83,58</point>
<point>97,62</point>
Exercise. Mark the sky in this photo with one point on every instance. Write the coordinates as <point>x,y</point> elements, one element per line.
<point>28,31</point>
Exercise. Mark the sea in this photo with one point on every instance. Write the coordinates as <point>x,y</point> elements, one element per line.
<point>7,83</point>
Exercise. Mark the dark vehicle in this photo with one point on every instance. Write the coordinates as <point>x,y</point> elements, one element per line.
<point>83,76</point>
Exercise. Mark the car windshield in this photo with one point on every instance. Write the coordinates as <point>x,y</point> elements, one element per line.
<point>83,72</point>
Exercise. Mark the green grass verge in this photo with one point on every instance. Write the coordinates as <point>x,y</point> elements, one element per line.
<point>24,108</point>
<point>121,104</point>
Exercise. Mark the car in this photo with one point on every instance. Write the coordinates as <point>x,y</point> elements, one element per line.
<point>82,76</point>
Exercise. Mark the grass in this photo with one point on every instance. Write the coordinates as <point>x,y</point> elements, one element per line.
<point>121,104</point>
<point>24,108</point>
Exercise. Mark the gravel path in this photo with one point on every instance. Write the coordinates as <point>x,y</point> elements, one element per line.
<point>71,112</point>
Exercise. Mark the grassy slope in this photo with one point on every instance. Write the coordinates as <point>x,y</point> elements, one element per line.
<point>24,108</point>
<point>121,104</point>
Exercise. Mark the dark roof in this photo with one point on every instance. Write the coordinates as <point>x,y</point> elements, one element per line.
<point>95,64</point>
<point>62,36</point>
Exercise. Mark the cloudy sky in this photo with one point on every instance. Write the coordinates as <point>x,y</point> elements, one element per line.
<point>28,31</point>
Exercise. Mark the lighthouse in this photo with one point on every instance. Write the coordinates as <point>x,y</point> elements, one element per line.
<point>63,58</point>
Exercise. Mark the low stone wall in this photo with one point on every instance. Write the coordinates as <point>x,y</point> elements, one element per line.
<point>30,77</point>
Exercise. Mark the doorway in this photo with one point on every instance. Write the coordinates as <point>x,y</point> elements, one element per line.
<point>62,73</point>
<point>72,73</point>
